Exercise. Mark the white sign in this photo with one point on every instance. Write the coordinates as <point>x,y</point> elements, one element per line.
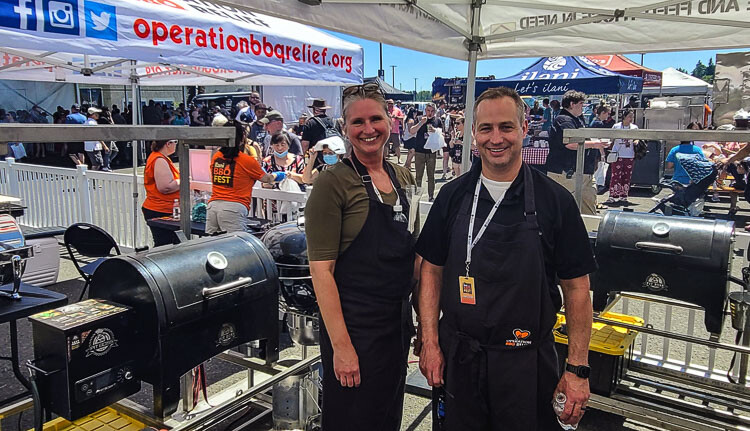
<point>215,39</point>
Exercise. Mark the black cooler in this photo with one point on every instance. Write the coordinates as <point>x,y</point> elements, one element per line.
<point>192,301</point>
<point>682,258</point>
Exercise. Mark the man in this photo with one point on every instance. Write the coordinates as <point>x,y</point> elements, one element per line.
<point>258,129</point>
<point>94,148</point>
<point>242,109</point>
<point>536,111</point>
<point>495,283</point>
<point>315,128</point>
<point>274,122</point>
<point>74,149</point>
<point>561,161</point>
<point>424,158</point>
<point>250,114</point>
<point>555,105</point>
<point>397,120</point>
<point>152,113</point>
<point>546,115</point>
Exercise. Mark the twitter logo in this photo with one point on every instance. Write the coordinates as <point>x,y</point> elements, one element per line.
<point>101,20</point>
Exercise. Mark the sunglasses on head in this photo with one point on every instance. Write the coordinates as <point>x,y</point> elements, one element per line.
<point>363,89</point>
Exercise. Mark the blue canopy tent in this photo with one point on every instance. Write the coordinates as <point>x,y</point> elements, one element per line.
<point>555,75</point>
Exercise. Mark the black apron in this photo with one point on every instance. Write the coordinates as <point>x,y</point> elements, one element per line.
<point>501,365</point>
<point>373,277</point>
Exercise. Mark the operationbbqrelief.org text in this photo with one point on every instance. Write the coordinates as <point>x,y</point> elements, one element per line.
<point>159,32</point>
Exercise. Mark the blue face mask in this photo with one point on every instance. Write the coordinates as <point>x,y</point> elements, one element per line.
<point>281,155</point>
<point>330,159</point>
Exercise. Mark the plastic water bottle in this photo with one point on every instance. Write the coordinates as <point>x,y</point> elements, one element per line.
<point>558,405</point>
<point>441,409</point>
<point>398,214</point>
<point>176,209</point>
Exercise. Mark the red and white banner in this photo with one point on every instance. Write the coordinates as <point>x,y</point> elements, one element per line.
<point>208,38</point>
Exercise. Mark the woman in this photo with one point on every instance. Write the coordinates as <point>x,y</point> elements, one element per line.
<point>162,182</point>
<point>281,160</point>
<point>179,118</point>
<point>409,138</point>
<point>233,175</point>
<point>622,169</point>
<point>332,149</point>
<point>362,263</point>
<point>457,146</point>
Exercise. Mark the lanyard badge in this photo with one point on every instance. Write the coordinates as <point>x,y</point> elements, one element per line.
<point>467,289</point>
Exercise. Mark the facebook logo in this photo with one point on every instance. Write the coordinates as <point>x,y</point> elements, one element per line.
<point>20,14</point>
<point>101,20</point>
<point>61,16</point>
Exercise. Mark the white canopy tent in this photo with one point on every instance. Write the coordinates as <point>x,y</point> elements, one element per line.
<point>485,29</point>
<point>177,42</point>
<point>676,83</point>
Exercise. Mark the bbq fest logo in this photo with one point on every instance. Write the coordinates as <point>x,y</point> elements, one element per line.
<point>101,342</point>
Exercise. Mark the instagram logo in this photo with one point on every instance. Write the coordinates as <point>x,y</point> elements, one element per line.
<point>61,16</point>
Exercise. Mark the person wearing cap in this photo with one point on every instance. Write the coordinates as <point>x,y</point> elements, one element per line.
<point>258,129</point>
<point>315,127</point>
<point>233,175</point>
<point>397,121</point>
<point>331,149</point>
<point>274,123</point>
<point>94,148</point>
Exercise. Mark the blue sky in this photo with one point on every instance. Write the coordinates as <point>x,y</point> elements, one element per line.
<point>425,67</point>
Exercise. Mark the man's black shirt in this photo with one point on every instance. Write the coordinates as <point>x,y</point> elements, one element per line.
<point>313,131</point>
<point>421,137</point>
<point>560,159</point>
<point>567,251</point>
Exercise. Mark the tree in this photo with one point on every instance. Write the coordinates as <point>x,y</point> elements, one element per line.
<point>683,70</point>
<point>700,70</point>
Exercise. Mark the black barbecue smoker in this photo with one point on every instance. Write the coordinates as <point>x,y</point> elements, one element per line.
<point>183,305</point>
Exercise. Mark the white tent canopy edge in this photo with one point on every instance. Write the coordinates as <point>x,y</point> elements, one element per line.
<point>485,29</point>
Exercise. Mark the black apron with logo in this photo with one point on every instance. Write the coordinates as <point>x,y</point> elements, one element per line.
<point>373,277</point>
<point>501,365</point>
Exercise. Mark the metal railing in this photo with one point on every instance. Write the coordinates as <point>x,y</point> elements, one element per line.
<point>59,197</point>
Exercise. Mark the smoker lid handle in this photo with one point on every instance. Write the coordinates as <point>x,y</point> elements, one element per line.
<point>224,288</point>
<point>657,246</point>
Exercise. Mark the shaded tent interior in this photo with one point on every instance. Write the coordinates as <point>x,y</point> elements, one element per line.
<point>390,91</point>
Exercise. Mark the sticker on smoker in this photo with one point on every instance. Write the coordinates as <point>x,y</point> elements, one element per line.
<point>101,342</point>
<point>227,334</point>
<point>655,283</point>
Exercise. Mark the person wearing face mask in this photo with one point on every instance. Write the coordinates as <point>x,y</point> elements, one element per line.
<point>331,148</point>
<point>281,160</point>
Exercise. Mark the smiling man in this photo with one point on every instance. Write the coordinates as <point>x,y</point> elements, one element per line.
<point>496,244</point>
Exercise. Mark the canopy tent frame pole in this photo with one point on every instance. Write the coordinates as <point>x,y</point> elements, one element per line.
<point>474,45</point>
<point>134,81</point>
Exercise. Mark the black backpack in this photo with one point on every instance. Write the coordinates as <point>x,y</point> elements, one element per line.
<point>328,126</point>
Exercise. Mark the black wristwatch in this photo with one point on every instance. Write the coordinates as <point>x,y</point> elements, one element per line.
<point>582,371</point>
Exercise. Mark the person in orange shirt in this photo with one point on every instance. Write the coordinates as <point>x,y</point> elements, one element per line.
<point>233,174</point>
<point>162,182</point>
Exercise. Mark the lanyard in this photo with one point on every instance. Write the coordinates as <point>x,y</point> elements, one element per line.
<point>471,243</point>
<point>377,192</point>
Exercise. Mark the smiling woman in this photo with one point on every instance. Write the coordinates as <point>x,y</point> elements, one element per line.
<point>362,263</point>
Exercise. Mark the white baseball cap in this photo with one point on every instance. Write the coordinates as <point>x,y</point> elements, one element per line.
<point>334,143</point>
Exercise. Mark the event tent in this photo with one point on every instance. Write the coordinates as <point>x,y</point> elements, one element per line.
<point>676,83</point>
<point>626,66</point>
<point>472,30</point>
<point>390,91</point>
<point>171,37</point>
<point>555,75</point>
<point>174,43</point>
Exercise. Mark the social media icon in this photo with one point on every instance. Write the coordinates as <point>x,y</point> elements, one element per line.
<point>19,14</point>
<point>61,16</point>
<point>101,20</point>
